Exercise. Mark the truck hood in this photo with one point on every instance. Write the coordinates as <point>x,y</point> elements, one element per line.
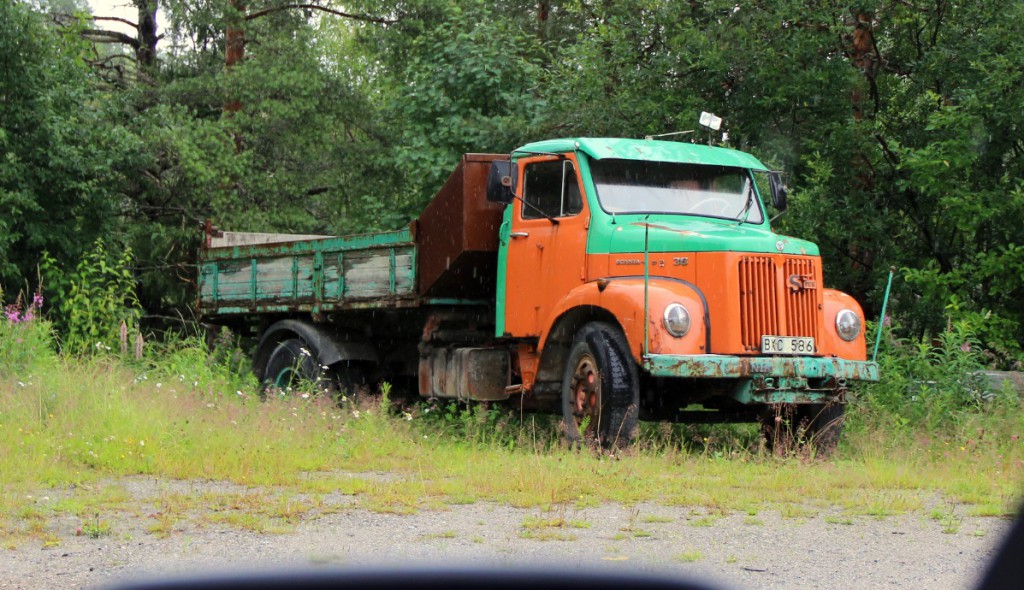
<point>690,234</point>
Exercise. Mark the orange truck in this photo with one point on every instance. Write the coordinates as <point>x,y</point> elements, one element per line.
<point>605,280</point>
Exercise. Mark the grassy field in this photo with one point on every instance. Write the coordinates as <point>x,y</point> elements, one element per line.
<point>70,428</point>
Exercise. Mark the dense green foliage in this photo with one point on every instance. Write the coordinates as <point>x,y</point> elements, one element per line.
<point>899,125</point>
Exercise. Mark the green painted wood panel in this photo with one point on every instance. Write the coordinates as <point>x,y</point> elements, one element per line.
<point>314,275</point>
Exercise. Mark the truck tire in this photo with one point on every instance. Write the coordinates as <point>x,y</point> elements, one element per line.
<point>351,378</point>
<point>823,426</point>
<point>795,427</point>
<point>600,388</point>
<point>294,365</point>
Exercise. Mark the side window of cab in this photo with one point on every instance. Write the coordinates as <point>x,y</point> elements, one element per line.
<point>551,190</point>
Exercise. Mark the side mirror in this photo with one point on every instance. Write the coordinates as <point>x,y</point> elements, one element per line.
<point>778,190</point>
<point>501,181</point>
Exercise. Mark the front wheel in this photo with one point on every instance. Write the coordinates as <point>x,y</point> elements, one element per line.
<point>792,427</point>
<point>600,388</point>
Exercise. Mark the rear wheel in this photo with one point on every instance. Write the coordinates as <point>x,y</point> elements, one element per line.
<point>600,388</point>
<point>293,365</point>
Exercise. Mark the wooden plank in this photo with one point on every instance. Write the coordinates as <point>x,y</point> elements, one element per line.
<point>275,278</point>
<point>232,280</point>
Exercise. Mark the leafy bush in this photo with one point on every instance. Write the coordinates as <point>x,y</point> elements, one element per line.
<point>95,308</point>
<point>933,383</point>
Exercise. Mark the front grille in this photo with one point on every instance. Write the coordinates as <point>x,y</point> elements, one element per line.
<point>779,297</point>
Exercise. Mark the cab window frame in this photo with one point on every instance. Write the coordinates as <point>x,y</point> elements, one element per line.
<point>569,196</point>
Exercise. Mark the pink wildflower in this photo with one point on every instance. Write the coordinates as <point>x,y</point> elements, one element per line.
<point>965,347</point>
<point>12,313</point>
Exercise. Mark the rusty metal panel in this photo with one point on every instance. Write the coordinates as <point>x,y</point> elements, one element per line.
<point>772,379</point>
<point>457,234</point>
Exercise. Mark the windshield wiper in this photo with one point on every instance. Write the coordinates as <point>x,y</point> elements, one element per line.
<point>750,203</point>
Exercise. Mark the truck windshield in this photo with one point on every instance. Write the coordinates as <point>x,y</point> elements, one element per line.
<point>636,186</point>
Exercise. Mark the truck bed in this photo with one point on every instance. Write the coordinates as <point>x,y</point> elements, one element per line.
<point>242,273</point>
<point>447,256</point>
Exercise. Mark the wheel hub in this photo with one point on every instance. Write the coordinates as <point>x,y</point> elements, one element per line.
<point>586,389</point>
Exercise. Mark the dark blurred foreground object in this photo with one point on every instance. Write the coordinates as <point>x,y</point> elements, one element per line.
<point>1006,572</point>
<point>423,579</point>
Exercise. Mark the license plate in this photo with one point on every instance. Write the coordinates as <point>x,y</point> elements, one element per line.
<point>786,345</point>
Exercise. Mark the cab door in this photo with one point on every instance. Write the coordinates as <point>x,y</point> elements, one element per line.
<point>547,243</point>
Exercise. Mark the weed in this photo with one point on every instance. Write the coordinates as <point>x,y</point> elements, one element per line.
<point>704,521</point>
<point>449,534</point>
<point>690,556</point>
<point>94,528</point>
<point>948,518</point>
<point>550,527</point>
<point>796,511</point>
<point>546,534</point>
<point>164,524</point>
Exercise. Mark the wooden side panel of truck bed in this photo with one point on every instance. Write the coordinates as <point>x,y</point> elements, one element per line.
<point>318,275</point>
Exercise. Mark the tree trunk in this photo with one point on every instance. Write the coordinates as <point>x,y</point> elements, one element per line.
<point>234,50</point>
<point>145,52</point>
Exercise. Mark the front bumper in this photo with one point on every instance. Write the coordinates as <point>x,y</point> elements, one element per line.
<point>768,379</point>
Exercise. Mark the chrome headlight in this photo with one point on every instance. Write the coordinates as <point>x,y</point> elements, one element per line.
<point>847,325</point>
<point>677,320</point>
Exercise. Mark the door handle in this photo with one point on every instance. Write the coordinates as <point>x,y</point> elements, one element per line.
<point>519,234</point>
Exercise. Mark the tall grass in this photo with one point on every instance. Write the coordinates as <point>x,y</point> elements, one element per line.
<point>71,426</point>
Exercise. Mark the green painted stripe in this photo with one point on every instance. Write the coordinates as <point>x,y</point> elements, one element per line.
<point>645,149</point>
<point>391,271</point>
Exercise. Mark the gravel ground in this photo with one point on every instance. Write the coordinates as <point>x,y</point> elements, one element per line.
<point>820,549</point>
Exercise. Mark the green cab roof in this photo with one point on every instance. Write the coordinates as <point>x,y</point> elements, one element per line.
<point>646,149</point>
